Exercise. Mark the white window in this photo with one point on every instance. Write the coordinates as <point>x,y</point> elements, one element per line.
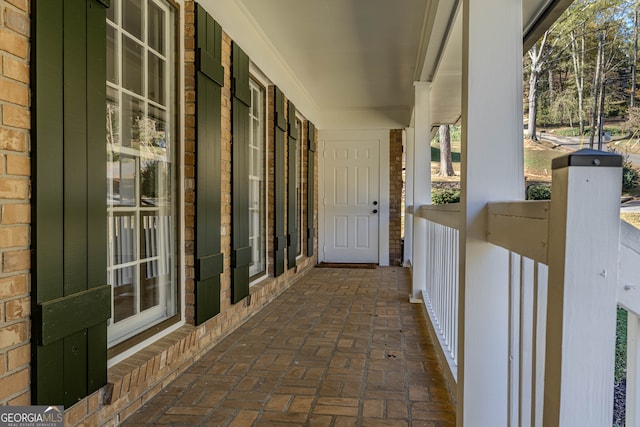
<point>257,194</point>
<point>141,156</point>
<point>299,203</point>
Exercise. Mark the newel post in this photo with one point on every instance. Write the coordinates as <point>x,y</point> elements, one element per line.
<point>584,224</point>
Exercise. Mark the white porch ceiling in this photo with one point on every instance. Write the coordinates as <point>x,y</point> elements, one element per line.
<point>356,60</point>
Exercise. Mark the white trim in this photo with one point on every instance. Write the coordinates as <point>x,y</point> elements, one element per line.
<point>382,136</point>
<point>300,149</point>
<point>263,90</point>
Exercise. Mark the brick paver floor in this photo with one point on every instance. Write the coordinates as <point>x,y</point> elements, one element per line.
<point>340,347</point>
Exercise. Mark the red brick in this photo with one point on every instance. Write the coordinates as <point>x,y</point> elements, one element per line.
<point>14,236</point>
<point>19,357</point>
<point>16,261</point>
<point>15,214</point>
<point>16,117</point>
<point>16,93</point>
<point>13,140</point>
<point>18,165</point>
<point>76,413</point>
<point>20,4</point>
<point>18,22</point>
<point>22,400</point>
<point>13,286</point>
<point>12,335</point>
<point>14,383</point>
<point>17,309</point>
<point>13,43</point>
<point>11,188</point>
<point>15,70</point>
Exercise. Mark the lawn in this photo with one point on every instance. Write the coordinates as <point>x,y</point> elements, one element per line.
<point>537,160</point>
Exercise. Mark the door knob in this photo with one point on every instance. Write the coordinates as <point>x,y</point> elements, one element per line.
<point>375,211</point>
<point>375,203</point>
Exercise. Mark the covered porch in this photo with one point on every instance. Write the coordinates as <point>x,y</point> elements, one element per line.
<point>340,347</point>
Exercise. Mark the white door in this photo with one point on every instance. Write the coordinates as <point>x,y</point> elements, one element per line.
<point>351,201</point>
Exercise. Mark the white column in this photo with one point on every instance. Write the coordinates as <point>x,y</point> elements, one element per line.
<point>421,184</point>
<point>492,170</point>
<point>408,199</point>
<point>584,238</point>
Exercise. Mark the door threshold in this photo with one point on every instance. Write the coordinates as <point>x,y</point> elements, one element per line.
<point>367,266</point>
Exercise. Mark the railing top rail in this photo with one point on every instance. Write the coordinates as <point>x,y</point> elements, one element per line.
<point>449,214</point>
<point>520,226</point>
<point>629,273</point>
<point>534,209</point>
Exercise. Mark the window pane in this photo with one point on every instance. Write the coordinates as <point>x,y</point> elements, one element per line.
<point>155,189</point>
<point>124,293</point>
<point>256,182</point>
<point>123,237</point>
<point>132,17</point>
<point>112,11</point>
<point>156,27</point>
<point>113,117</point>
<point>255,94</point>
<point>112,61</point>
<point>156,79</point>
<point>133,121</point>
<point>121,180</point>
<point>149,286</point>
<point>158,130</point>
<point>132,70</point>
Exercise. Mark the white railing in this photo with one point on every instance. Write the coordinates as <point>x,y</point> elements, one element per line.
<point>569,263</point>
<point>521,227</point>
<point>441,291</point>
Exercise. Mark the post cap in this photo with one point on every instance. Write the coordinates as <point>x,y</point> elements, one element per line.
<point>587,157</point>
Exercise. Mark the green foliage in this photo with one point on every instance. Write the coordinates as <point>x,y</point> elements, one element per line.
<point>445,195</point>
<point>539,192</point>
<point>621,345</point>
<point>620,369</point>
<point>454,131</point>
<point>435,155</point>
<point>630,175</point>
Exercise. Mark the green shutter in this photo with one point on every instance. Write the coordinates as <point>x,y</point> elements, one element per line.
<point>209,79</point>
<point>71,302</point>
<point>240,251</point>
<point>280,238</point>
<point>311,161</point>
<point>292,214</point>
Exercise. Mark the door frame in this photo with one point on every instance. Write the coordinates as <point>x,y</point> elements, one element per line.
<point>382,136</point>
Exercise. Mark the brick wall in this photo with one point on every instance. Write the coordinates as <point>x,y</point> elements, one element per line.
<point>189,166</point>
<point>14,203</point>
<point>395,197</point>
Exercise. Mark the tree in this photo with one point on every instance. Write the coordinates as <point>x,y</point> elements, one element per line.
<point>541,55</point>
<point>634,65</point>
<point>446,165</point>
